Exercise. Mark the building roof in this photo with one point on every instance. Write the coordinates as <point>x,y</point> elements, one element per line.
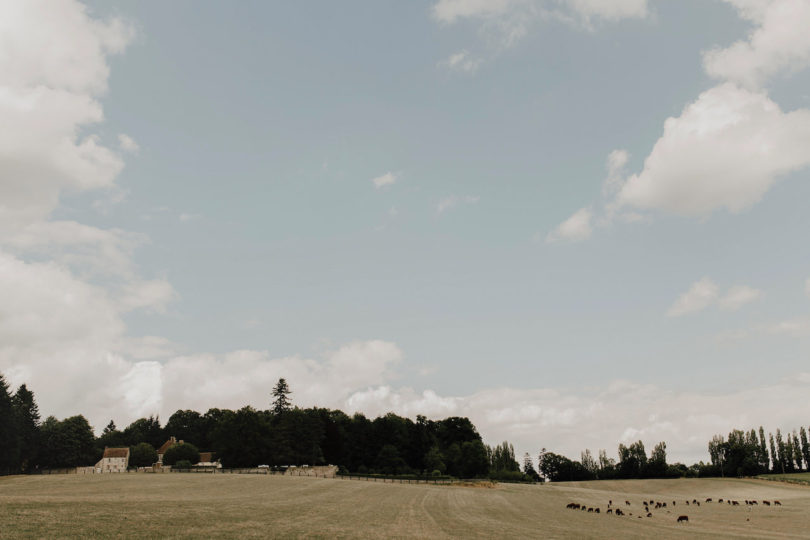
<point>116,453</point>
<point>207,457</point>
<point>168,444</point>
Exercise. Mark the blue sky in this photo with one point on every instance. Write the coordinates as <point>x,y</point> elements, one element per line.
<point>555,217</point>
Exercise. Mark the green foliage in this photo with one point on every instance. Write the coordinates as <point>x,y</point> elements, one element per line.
<point>181,452</point>
<point>183,464</point>
<point>10,440</point>
<point>144,430</point>
<point>281,403</point>
<point>142,455</point>
<point>69,443</point>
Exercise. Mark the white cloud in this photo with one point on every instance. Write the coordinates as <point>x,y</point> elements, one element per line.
<point>738,296</point>
<point>384,180</point>
<point>791,327</point>
<point>726,150</point>
<point>448,203</point>
<point>779,43</point>
<point>568,420</point>
<point>127,143</point>
<point>574,229</point>
<point>449,11</point>
<point>504,22</point>
<point>705,293</point>
<point>700,295</point>
<point>462,61</point>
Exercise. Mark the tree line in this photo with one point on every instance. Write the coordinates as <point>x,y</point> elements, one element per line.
<point>285,435</point>
<point>282,435</point>
<point>741,453</point>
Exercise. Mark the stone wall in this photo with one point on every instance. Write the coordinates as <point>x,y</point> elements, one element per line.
<point>328,471</point>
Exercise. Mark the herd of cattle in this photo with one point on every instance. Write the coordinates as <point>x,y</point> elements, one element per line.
<point>656,505</point>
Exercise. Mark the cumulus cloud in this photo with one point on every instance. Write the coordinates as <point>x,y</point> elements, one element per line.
<point>574,229</point>
<point>724,151</point>
<point>733,143</point>
<point>779,43</point>
<point>384,180</point>
<point>568,420</point>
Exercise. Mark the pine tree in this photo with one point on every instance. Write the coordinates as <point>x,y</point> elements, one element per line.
<point>27,414</point>
<point>774,456</point>
<point>281,403</point>
<point>9,431</point>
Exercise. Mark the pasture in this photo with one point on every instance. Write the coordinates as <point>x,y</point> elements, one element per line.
<point>244,506</point>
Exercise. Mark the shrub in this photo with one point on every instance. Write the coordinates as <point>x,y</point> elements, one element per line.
<point>142,455</point>
<point>182,464</point>
<point>436,472</point>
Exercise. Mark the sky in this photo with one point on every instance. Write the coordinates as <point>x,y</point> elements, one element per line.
<point>577,222</point>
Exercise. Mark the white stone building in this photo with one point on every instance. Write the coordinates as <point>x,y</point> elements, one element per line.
<point>113,460</point>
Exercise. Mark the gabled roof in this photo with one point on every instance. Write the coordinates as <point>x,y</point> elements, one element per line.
<point>116,453</point>
<point>168,444</point>
<point>207,457</point>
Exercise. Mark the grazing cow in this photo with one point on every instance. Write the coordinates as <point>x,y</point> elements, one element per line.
<point>583,508</point>
<point>697,503</point>
<point>609,511</point>
<point>649,514</point>
<point>755,502</point>
<point>766,503</point>
<point>590,509</point>
<point>610,502</point>
<point>627,503</point>
<point>735,503</point>
<point>619,512</point>
<point>719,500</point>
<point>687,503</point>
<point>777,503</point>
<point>709,499</point>
<point>664,505</point>
<point>673,503</point>
<point>694,501</point>
<point>683,518</point>
<point>596,510</point>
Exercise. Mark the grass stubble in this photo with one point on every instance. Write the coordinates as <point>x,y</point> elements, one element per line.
<point>244,506</point>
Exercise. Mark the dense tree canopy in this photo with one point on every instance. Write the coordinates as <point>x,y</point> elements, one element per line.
<point>390,444</point>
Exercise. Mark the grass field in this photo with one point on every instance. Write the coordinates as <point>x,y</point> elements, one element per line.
<point>794,478</point>
<point>241,506</point>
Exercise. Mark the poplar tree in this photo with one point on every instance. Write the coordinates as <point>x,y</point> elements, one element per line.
<point>805,447</point>
<point>780,447</point>
<point>774,457</point>
<point>763,450</point>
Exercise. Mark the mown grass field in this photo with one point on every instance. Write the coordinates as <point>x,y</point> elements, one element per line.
<point>795,478</point>
<point>242,506</point>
